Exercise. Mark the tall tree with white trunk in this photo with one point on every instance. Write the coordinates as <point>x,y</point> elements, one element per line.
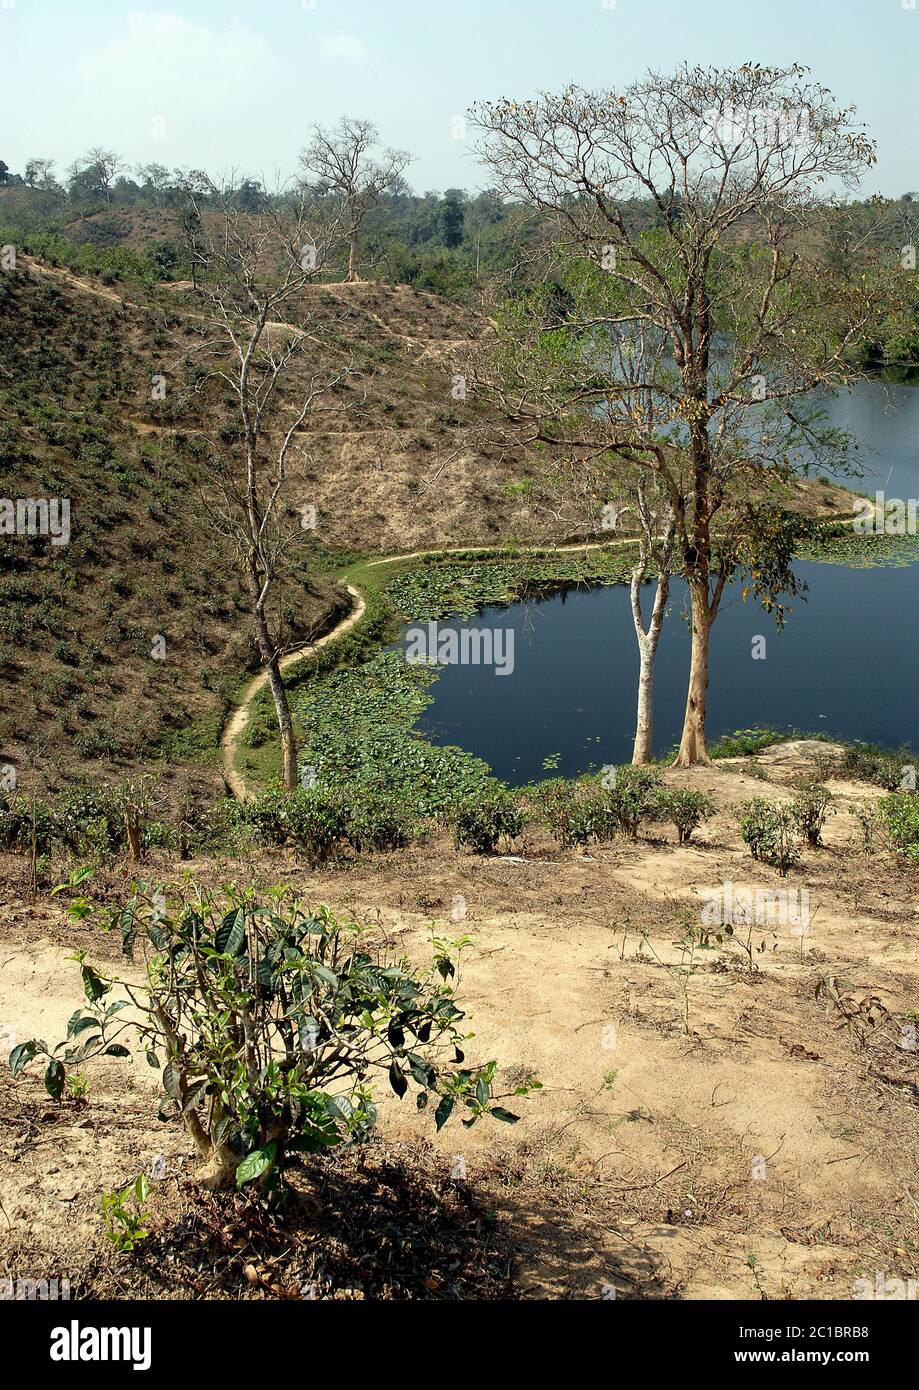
<point>704,199</point>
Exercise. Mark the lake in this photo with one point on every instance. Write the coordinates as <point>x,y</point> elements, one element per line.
<point>846,663</point>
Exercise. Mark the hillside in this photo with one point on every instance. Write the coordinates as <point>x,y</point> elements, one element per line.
<point>390,460</point>
<point>77,421</point>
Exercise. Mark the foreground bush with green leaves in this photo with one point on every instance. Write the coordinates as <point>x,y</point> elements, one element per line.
<point>271,1024</point>
<point>899,817</point>
<point>771,832</point>
<point>576,812</point>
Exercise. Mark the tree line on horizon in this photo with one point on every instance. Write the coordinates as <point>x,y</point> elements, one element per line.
<point>452,242</point>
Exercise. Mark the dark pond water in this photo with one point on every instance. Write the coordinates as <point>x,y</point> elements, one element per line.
<point>846,663</point>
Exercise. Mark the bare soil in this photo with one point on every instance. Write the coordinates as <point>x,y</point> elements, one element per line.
<point>706,1129</point>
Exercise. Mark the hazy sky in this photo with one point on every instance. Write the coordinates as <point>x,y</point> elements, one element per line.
<point>214,85</point>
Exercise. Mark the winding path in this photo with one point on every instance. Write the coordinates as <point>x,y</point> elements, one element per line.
<point>239,719</point>
<point>236,724</point>
<point>230,740</point>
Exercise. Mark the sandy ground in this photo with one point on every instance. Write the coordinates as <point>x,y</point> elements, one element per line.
<point>706,1130</point>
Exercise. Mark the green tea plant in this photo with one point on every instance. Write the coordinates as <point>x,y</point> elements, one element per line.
<point>96,822</point>
<point>576,812</point>
<point>898,816</point>
<point>870,822</point>
<point>126,1225</point>
<point>483,819</point>
<point>270,1024</point>
<point>687,810</point>
<point>695,939</point>
<point>634,797</point>
<point>771,833</point>
<point>23,818</point>
<point>376,821</point>
<point>810,808</point>
<point>868,762</point>
<point>313,818</point>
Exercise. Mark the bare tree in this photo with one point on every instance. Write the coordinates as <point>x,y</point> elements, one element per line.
<point>157,178</point>
<point>341,161</point>
<point>727,273</point>
<point>103,166</point>
<point>39,173</point>
<point>253,269</point>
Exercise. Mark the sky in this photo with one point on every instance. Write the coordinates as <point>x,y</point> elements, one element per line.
<point>213,85</point>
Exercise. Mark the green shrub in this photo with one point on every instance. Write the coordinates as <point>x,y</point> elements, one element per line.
<point>899,816</point>
<point>376,821</point>
<point>88,822</point>
<point>771,833</point>
<point>482,819</point>
<point>16,824</point>
<point>269,1024</point>
<point>868,762</point>
<point>634,797</point>
<point>810,809</point>
<point>686,809</point>
<point>576,812</point>
<point>102,821</point>
<point>312,818</point>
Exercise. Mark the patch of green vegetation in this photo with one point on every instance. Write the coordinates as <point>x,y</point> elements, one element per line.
<point>109,263</point>
<point>884,767</point>
<point>357,731</point>
<point>197,743</point>
<point>842,546</point>
<point>456,588</point>
<point>746,743</point>
<point>900,816</point>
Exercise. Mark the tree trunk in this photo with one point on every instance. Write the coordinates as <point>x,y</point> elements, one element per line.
<point>642,749</point>
<point>644,722</point>
<point>693,746</point>
<point>278,691</point>
<point>352,257</point>
<point>285,725</point>
<point>132,831</point>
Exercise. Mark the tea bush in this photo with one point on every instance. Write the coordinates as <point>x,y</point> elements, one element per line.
<point>96,822</point>
<point>313,818</point>
<point>483,819</point>
<point>899,817</point>
<point>376,821</point>
<point>868,762</point>
<point>771,833</point>
<point>576,812</point>
<point>634,797</point>
<point>17,815</point>
<point>686,809</point>
<point>810,809</point>
<point>270,1023</point>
